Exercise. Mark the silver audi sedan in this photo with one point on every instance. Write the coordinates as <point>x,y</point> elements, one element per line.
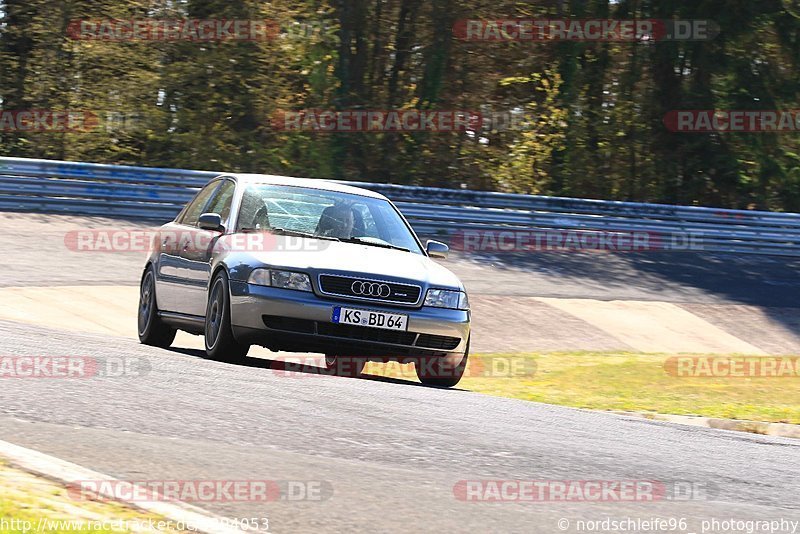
<point>304,265</point>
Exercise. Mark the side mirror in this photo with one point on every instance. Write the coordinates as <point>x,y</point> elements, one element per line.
<point>436,249</point>
<point>211,221</point>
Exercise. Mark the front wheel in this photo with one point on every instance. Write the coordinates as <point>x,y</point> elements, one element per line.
<point>442,371</point>
<point>151,329</point>
<point>219,340</point>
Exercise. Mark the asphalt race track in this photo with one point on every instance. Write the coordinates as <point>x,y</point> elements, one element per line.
<point>389,452</point>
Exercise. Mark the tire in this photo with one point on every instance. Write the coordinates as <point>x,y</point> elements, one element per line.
<point>219,341</point>
<point>442,371</point>
<point>345,365</point>
<point>152,330</point>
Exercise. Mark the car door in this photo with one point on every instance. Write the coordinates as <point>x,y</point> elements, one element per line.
<point>171,274</point>
<point>196,259</point>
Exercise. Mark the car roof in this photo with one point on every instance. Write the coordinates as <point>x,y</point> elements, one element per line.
<point>312,183</point>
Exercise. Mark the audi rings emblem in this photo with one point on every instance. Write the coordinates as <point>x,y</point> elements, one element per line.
<point>371,289</point>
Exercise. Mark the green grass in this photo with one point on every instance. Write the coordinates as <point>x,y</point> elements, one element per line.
<point>631,382</point>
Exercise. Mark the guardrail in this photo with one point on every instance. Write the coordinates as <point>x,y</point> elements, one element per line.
<point>158,194</point>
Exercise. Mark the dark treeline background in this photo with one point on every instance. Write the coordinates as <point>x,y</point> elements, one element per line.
<point>594,110</point>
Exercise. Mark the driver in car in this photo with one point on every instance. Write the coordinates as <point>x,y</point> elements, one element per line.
<point>336,221</point>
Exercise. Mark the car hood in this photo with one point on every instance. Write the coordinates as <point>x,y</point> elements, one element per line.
<point>351,259</point>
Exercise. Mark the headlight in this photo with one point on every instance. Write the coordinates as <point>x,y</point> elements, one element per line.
<point>445,298</point>
<point>280,279</point>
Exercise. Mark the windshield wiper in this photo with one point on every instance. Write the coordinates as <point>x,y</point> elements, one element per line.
<point>361,241</point>
<point>286,231</point>
<point>298,233</point>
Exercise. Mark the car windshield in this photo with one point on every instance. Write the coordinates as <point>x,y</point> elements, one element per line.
<point>326,214</point>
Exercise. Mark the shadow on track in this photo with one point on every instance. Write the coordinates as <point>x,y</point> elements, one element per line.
<point>293,367</point>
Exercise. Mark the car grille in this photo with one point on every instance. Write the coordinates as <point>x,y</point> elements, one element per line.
<point>288,324</point>
<point>343,286</point>
<point>430,341</point>
<point>361,333</point>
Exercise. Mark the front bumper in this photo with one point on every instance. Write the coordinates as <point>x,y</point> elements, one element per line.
<point>282,319</point>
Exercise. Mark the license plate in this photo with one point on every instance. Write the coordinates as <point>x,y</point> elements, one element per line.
<point>372,319</point>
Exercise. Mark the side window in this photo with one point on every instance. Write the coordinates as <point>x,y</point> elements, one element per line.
<point>222,200</point>
<point>195,209</point>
